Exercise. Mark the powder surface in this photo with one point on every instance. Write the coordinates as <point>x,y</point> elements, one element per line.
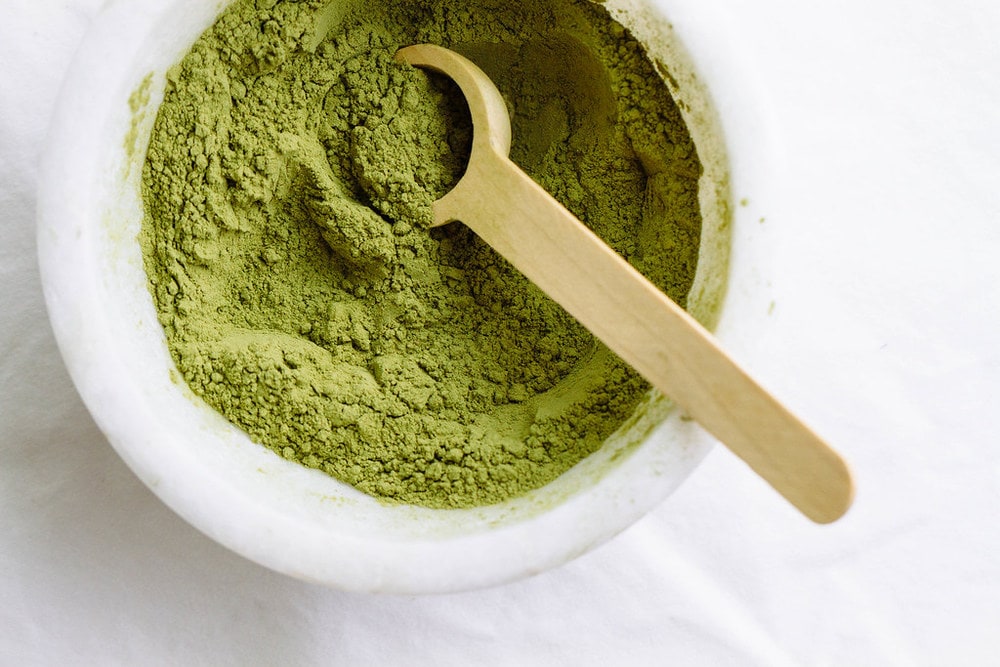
<point>287,191</point>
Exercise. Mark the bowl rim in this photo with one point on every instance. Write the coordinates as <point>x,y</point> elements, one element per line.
<point>77,294</point>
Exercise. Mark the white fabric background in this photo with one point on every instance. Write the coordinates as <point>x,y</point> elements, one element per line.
<point>889,118</point>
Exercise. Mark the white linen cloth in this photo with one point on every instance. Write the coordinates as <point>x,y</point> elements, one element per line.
<point>889,118</point>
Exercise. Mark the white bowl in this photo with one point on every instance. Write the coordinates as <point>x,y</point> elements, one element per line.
<point>280,514</point>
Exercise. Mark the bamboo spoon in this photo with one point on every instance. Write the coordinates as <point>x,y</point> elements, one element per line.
<point>623,309</point>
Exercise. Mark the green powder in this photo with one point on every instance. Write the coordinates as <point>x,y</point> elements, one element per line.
<point>287,190</point>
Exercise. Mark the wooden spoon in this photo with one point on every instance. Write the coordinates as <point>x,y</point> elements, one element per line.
<point>571,264</point>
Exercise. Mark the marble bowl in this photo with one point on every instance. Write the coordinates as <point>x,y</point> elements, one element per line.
<point>300,521</point>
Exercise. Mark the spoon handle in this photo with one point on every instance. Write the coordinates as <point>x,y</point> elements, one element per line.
<point>571,264</point>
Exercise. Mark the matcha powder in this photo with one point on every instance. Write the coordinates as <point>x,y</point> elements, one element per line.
<point>287,190</point>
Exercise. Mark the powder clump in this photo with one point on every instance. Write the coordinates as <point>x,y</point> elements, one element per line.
<point>288,188</point>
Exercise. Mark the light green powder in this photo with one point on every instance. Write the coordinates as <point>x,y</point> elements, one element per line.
<point>287,190</point>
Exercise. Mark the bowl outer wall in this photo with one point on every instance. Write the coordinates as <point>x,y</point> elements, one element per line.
<point>241,495</point>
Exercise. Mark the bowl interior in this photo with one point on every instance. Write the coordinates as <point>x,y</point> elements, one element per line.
<point>278,513</point>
